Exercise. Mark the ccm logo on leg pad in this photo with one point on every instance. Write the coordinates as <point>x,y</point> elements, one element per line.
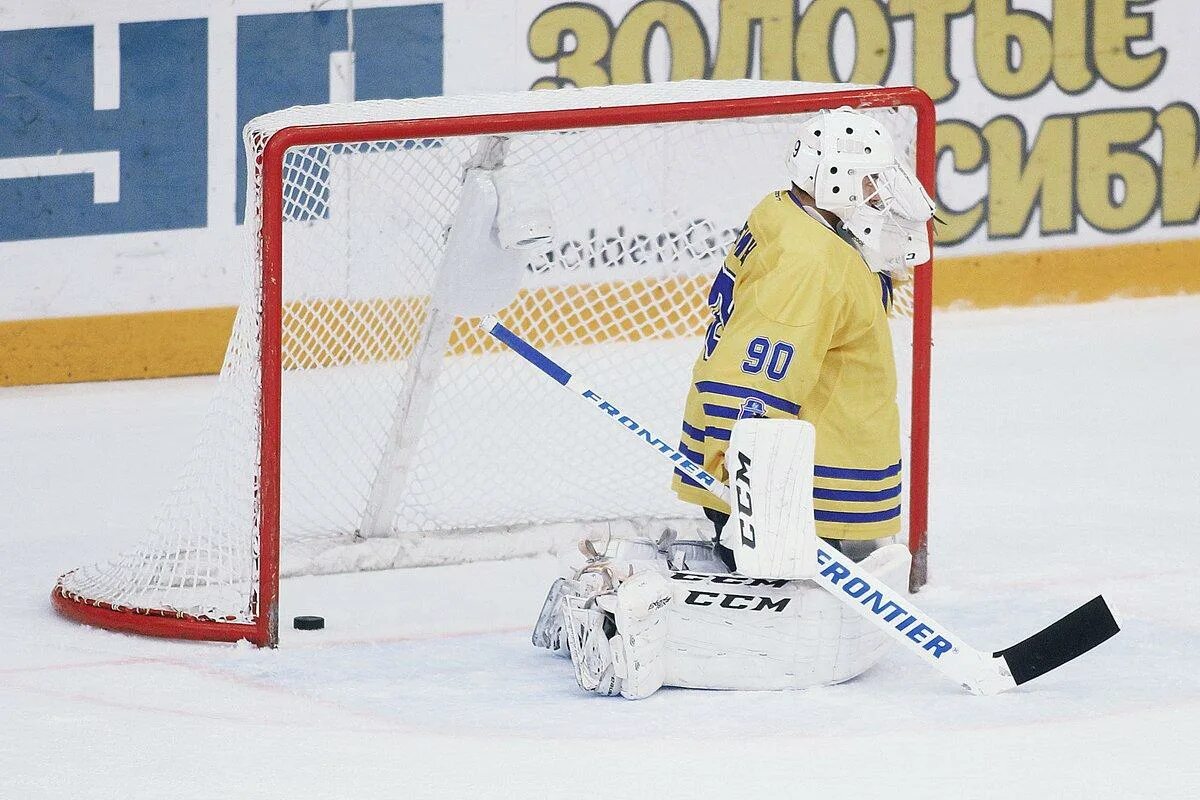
<point>737,602</point>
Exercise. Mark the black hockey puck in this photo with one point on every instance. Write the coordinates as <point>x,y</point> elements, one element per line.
<point>308,623</point>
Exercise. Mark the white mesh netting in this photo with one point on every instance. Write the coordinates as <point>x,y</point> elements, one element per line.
<point>505,463</point>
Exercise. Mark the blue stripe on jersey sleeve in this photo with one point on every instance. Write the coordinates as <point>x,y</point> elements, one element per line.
<point>694,457</point>
<point>747,237</point>
<point>856,517</point>
<point>857,474</point>
<point>846,495</point>
<point>730,390</point>
<point>690,454</point>
<point>713,432</point>
<point>721,412</point>
<point>694,432</point>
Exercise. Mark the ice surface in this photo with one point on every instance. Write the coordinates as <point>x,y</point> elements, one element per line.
<point>1066,462</point>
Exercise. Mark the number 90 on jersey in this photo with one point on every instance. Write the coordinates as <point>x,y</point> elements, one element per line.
<point>773,357</point>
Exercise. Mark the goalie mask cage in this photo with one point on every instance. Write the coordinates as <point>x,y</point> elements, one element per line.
<point>334,358</point>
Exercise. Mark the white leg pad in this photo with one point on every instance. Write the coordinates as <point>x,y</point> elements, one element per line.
<point>735,632</point>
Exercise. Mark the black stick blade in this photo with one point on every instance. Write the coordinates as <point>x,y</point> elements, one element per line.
<point>1072,636</point>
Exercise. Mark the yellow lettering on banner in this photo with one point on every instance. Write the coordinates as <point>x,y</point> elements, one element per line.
<point>576,37</point>
<point>931,42</point>
<point>964,143</point>
<point>1018,182</point>
<point>1180,165</point>
<point>873,41</point>
<point>775,21</point>
<point>1116,28</point>
<point>689,46</point>
<point>1117,183</point>
<point>998,30</point>
<point>1073,70</point>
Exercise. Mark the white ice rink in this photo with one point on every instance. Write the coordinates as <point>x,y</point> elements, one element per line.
<point>1066,462</point>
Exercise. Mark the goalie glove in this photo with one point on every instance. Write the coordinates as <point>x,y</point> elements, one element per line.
<point>618,556</point>
<point>617,639</point>
<point>623,557</point>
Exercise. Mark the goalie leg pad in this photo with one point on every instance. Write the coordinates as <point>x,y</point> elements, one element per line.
<point>734,632</point>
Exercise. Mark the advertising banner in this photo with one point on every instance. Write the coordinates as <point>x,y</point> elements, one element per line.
<point>1067,134</point>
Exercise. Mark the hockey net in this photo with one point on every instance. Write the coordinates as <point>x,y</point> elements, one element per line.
<point>348,208</point>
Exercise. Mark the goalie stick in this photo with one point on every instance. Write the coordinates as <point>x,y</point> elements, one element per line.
<point>977,671</point>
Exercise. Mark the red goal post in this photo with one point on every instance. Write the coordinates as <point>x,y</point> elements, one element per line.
<point>259,622</point>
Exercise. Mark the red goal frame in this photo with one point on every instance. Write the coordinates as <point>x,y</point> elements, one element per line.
<point>264,631</point>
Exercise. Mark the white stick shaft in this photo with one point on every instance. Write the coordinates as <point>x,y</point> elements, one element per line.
<point>580,387</point>
<point>896,615</point>
<point>870,597</point>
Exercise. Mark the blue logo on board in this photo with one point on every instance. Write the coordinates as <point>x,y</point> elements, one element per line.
<point>105,129</point>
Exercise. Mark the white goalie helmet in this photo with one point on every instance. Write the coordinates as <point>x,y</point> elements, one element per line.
<point>848,163</point>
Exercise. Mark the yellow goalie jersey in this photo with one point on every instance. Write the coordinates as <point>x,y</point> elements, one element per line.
<point>800,330</point>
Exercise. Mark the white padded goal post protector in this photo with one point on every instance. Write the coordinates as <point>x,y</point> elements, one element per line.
<point>339,351</point>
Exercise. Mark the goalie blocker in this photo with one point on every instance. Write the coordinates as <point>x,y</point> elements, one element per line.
<point>772,531</point>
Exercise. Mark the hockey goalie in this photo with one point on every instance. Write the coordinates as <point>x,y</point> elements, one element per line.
<point>792,404</point>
